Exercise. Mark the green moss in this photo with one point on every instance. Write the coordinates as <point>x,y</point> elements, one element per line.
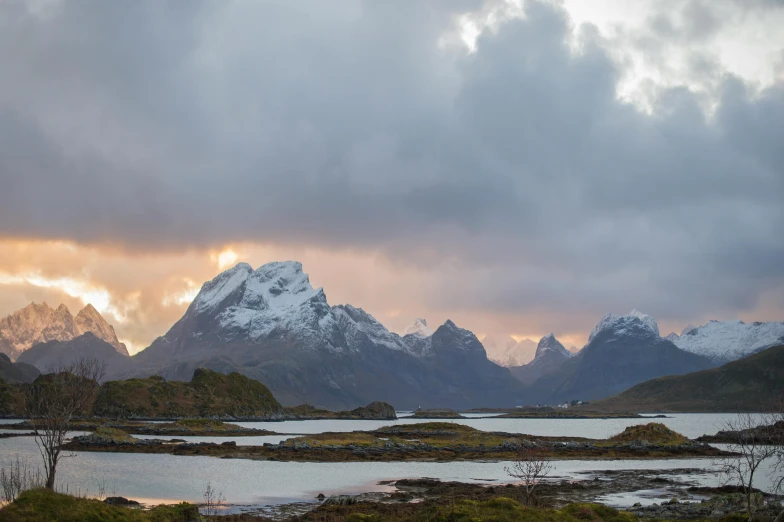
<point>113,434</point>
<point>653,432</point>
<point>198,426</point>
<point>47,506</point>
<point>209,394</point>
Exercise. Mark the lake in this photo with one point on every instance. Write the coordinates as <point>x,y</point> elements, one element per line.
<point>160,478</point>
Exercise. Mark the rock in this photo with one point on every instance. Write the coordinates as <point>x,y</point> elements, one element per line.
<point>340,500</point>
<point>375,411</point>
<point>320,496</point>
<point>120,501</point>
<point>229,443</point>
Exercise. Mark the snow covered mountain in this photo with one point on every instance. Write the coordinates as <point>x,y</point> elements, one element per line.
<point>630,324</point>
<point>550,354</point>
<point>419,328</point>
<point>39,323</point>
<point>272,325</point>
<point>724,341</point>
<point>508,352</point>
<point>622,350</point>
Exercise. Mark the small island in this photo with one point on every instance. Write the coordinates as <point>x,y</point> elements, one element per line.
<point>436,413</point>
<point>432,441</point>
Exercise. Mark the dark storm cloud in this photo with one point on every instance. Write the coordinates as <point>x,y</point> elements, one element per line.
<point>171,125</point>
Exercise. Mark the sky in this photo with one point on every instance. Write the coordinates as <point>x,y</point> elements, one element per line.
<point>518,167</point>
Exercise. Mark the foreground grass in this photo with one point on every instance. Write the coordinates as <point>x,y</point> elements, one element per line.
<point>46,506</point>
<point>41,505</point>
<point>498,509</point>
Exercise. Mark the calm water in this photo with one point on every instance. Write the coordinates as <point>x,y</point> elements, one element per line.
<point>690,424</point>
<point>158,478</point>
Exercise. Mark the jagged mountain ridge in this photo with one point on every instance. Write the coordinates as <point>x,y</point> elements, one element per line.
<point>550,355</point>
<point>39,323</point>
<point>623,350</point>
<point>271,325</point>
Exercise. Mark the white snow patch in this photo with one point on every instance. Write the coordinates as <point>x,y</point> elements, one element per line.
<point>730,340</point>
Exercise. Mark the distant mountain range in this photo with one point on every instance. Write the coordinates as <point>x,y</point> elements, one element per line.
<point>748,384</point>
<point>622,351</point>
<point>272,325</point>
<point>39,323</point>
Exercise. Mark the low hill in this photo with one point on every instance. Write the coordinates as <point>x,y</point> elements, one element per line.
<point>748,384</point>
<point>18,372</point>
<point>208,394</point>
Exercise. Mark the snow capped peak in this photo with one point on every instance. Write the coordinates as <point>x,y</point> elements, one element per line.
<point>418,328</point>
<point>214,292</point>
<point>646,319</point>
<point>724,341</point>
<point>549,343</point>
<point>622,323</point>
<point>277,298</point>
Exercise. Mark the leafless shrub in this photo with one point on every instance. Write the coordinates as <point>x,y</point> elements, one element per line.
<point>213,500</point>
<point>18,477</point>
<point>530,467</point>
<point>53,400</point>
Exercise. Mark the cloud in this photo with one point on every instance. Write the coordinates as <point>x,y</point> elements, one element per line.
<point>512,179</point>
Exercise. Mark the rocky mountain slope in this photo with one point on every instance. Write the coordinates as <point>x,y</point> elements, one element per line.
<point>748,384</point>
<point>272,325</point>
<point>52,354</point>
<point>724,341</point>
<point>622,351</point>
<point>508,352</point>
<point>550,355</point>
<point>39,323</point>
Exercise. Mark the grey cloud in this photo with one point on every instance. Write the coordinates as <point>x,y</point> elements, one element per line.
<point>174,125</point>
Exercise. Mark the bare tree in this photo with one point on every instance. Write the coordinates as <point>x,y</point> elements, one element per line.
<point>530,467</point>
<point>775,421</point>
<point>53,400</point>
<point>751,444</point>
